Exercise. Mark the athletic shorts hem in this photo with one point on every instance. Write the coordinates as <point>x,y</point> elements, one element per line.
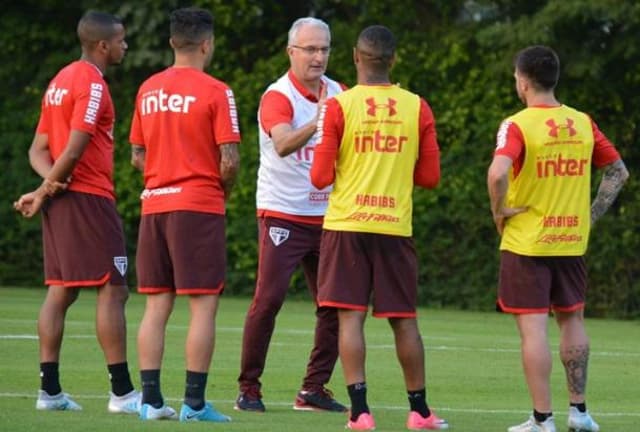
<point>339,305</point>
<point>154,290</point>
<point>395,314</point>
<point>201,291</point>
<point>521,310</point>
<point>79,284</point>
<point>571,308</point>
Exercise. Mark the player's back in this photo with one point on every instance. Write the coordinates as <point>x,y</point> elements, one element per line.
<point>182,115</point>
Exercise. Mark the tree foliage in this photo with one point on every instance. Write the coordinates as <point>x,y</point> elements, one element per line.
<point>457,54</point>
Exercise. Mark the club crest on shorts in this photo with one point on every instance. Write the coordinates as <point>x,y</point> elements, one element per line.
<point>120,262</point>
<point>278,235</point>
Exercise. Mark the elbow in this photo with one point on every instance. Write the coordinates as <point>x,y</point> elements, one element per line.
<point>73,156</point>
<point>281,151</point>
<point>32,157</point>
<point>230,171</point>
<point>318,181</point>
<point>135,162</point>
<point>494,178</point>
<point>427,180</point>
<point>625,174</point>
<point>433,184</point>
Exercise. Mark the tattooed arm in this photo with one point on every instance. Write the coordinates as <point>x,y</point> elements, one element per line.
<point>613,178</point>
<point>229,165</point>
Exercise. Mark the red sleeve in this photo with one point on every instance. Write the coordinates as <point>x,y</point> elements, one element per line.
<point>427,170</point>
<point>226,128</point>
<point>135,135</point>
<point>330,130</point>
<point>89,102</point>
<point>510,143</point>
<point>275,108</point>
<point>604,152</point>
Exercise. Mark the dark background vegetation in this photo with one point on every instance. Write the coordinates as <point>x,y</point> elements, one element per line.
<point>457,54</point>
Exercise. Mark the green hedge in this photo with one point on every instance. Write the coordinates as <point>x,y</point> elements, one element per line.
<point>457,54</point>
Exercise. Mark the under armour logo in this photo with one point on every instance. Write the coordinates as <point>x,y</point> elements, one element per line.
<point>373,106</point>
<point>556,127</point>
<point>278,235</point>
<point>120,262</point>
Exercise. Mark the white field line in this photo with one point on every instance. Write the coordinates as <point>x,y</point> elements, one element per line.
<point>371,346</point>
<point>384,407</point>
<point>428,347</point>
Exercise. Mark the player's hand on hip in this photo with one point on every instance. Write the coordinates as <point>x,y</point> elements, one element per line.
<point>500,218</point>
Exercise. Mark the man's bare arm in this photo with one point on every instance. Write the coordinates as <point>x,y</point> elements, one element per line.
<point>138,154</point>
<point>614,176</point>
<point>497,185</point>
<point>229,166</point>
<point>56,176</point>
<point>287,140</point>
<point>39,156</point>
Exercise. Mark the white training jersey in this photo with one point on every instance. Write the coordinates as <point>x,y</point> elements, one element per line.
<point>284,184</point>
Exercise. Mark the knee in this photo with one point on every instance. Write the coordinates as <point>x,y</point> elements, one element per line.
<point>114,294</point>
<point>267,306</point>
<point>60,298</point>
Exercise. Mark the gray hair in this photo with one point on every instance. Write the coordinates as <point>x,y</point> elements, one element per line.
<point>310,21</point>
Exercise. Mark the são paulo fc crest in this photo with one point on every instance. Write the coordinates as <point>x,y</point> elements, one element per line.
<point>120,262</point>
<point>278,235</point>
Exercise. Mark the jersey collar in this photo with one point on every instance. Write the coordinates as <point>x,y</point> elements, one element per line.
<point>305,92</point>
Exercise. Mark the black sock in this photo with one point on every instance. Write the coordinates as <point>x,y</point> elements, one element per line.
<point>120,379</point>
<point>418,402</point>
<point>194,389</point>
<point>541,417</point>
<point>150,380</point>
<point>582,407</point>
<point>358,395</point>
<point>50,378</point>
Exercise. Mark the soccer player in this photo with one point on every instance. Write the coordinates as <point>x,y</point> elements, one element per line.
<point>539,186</point>
<point>184,137</point>
<point>82,233</point>
<point>376,141</point>
<point>290,212</point>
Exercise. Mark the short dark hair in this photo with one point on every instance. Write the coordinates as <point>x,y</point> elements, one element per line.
<point>540,64</point>
<point>95,26</point>
<point>190,26</point>
<point>377,46</point>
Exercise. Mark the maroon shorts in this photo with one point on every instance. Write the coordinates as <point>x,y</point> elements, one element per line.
<point>537,284</point>
<point>181,251</point>
<point>83,241</point>
<point>360,268</point>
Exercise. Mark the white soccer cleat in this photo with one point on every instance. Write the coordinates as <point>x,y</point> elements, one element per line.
<point>165,412</point>
<point>59,402</point>
<point>532,425</point>
<point>581,421</point>
<point>125,404</point>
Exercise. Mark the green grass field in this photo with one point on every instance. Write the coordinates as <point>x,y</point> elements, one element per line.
<point>473,369</point>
